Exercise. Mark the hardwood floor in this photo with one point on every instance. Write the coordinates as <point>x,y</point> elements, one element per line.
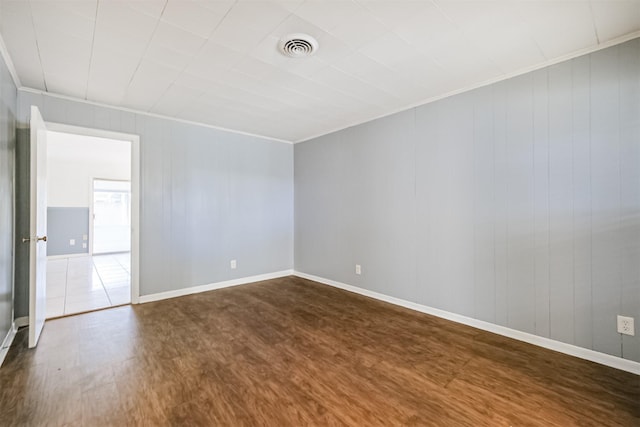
<point>290,352</point>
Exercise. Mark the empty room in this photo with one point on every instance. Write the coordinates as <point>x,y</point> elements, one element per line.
<point>319,212</point>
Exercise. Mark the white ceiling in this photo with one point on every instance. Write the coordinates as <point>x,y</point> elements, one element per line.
<point>216,62</point>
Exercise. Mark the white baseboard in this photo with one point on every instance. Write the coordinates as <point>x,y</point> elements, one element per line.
<point>6,343</point>
<point>21,321</point>
<point>213,286</point>
<point>572,350</point>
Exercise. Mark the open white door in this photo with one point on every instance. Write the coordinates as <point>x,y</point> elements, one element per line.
<point>38,228</point>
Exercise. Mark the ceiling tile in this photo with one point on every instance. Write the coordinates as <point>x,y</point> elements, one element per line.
<point>110,74</point>
<point>198,17</point>
<point>332,49</point>
<point>363,28</point>
<point>67,84</point>
<point>428,29</point>
<point>192,81</point>
<point>167,56</point>
<point>247,23</point>
<point>122,28</point>
<point>375,74</point>
<point>116,16</point>
<point>254,67</point>
<point>615,18</point>
<point>296,24</point>
<point>149,83</point>
<point>495,29</point>
<point>328,15</point>
<point>83,8</point>
<point>56,53</point>
<point>176,99</point>
<point>571,18</point>
<point>394,14</point>
<point>152,8</point>
<point>173,46</point>
<point>20,38</point>
<point>353,86</point>
<point>212,58</point>
<point>62,17</point>
<point>177,39</point>
<point>389,50</point>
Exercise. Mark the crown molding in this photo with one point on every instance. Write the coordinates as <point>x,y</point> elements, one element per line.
<point>572,55</point>
<point>7,60</point>
<point>145,113</point>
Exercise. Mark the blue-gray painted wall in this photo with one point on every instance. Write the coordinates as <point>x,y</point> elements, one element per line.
<point>8,108</point>
<point>517,203</point>
<point>207,196</point>
<point>63,225</point>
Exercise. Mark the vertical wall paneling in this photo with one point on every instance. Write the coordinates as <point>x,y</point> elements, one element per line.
<point>22,191</point>
<point>8,235</point>
<point>581,182</point>
<point>520,220</point>
<point>426,161</point>
<point>459,213</point>
<point>384,180</point>
<point>484,202</point>
<point>605,199</point>
<point>541,200</point>
<point>527,201</point>
<point>629,64</point>
<point>500,228</point>
<point>561,202</point>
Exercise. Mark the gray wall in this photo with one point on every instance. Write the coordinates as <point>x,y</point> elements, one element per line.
<point>64,224</point>
<point>207,196</point>
<point>517,203</point>
<point>8,96</point>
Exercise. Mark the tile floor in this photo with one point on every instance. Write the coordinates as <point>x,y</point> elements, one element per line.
<point>79,284</point>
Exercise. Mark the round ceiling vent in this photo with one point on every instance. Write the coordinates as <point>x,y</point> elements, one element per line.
<point>298,45</point>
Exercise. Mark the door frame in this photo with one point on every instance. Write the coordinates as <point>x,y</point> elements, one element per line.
<point>135,191</point>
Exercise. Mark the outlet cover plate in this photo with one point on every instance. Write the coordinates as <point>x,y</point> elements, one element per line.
<point>626,326</point>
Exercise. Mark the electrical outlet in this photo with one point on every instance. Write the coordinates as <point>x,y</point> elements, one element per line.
<point>233,264</point>
<point>84,246</point>
<point>85,237</point>
<point>625,325</point>
<point>72,242</point>
<point>358,269</point>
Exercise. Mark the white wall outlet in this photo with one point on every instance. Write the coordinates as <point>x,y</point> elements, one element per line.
<point>85,237</point>
<point>72,242</point>
<point>625,325</point>
<point>358,269</point>
<point>233,264</point>
<point>84,246</point>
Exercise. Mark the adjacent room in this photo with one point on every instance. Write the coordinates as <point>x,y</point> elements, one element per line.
<point>88,223</point>
<point>306,212</point>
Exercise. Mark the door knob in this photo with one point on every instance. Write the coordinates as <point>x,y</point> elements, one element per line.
<point>27,240</point>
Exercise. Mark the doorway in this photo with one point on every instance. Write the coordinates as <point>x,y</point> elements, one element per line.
<point>93,211</point>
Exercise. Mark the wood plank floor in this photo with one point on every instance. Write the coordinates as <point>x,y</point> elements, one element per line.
<point>290,352</point>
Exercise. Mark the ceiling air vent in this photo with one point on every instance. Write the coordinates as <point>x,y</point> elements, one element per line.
<point>298,45</point>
